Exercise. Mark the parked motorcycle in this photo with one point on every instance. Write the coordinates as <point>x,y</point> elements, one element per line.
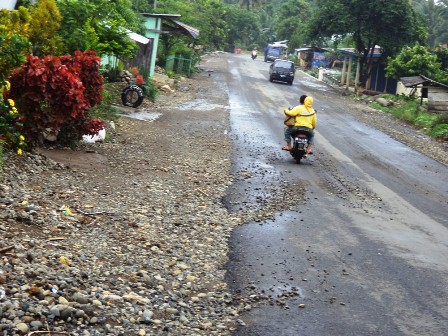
<point>300,143</point>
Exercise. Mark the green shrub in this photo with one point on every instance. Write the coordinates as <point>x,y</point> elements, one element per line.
<point>426,120</point>
<point>150,90</point>
<point>104,110</point>
<point>408,109</point>
<point>111,75</point>
<point>170,73</point>
<point>440,131</point>
<point>10,124</point>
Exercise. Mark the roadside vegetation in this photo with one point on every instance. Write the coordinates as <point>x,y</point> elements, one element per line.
<point>38,36</point>
<point>410,110</point>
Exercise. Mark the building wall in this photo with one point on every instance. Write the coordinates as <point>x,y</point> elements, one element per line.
<point>403,90</point>
<point>379,82</point>
<point>8,4</point>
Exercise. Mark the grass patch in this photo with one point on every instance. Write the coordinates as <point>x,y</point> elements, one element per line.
<point>105,110</point>
<point>409,110</point>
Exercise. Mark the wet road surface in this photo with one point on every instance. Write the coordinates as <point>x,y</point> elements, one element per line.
<point>364,251</point>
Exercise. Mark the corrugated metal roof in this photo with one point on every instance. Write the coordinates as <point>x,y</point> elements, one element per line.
<point>420,80</point>
<point>137,37</point>
<point>179,26</point>
<point>412,81</point>
<point>193,32</point>
<point>354,52</point>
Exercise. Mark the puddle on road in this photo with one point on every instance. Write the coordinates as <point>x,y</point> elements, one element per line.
<point>199,105</point>
<point>143,115</point>
<point>139,114</point>
<point>315,85</point>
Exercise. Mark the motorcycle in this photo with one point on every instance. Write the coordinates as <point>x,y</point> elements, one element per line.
<point>253,55</point>
<point>300,143</point>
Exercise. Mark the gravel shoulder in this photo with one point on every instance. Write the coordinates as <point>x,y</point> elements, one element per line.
<point>129,236</point>
<point>400,131</point>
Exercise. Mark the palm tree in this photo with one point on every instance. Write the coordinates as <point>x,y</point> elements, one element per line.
<point>435,14</point>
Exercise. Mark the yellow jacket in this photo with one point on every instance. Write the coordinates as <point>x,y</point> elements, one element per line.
<point>305,114</point>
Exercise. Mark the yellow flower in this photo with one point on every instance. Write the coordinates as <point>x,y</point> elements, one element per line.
<point>21,138</point>
<point>19,151</point>
<point>11,102</point>
<point>5,87</point>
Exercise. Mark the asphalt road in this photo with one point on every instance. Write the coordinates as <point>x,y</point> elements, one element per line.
<point>365,251</point>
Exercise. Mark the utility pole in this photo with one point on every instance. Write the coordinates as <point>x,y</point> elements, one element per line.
<point>155,4</point>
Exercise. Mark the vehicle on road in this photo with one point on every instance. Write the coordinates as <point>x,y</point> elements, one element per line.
<point>275,51</point>
<point>282,70</point>
<point>300,143</point>
<point>272,53</point>
<point>254,54</point>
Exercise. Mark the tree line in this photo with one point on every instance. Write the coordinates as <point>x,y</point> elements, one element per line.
<point>62,26</point>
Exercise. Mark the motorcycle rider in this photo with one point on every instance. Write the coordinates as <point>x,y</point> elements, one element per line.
<point>254,53</point>
<point>305,120</point>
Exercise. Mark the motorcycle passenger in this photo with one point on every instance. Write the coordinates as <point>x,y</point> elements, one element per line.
<point>290,122</point>
<point>305,120</point>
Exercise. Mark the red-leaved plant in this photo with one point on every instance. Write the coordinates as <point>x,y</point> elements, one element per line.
<point>139,80</point>
<point>55,94</point>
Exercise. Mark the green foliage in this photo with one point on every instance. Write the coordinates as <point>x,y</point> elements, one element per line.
<point>110,74</point>
<point>440,131</point>
<point>408,109</point>
<point>142,6</point>
<point>291,20</point>
<point>14,41</point>
<point>170,74</point>
<point>150,90</point>
<point>435,16</point>
<point>442,56</point>
<point>416,60</point>
<point>44,24</point>
<point>250,4</point>
<point>388,24</point>
<point>99,25</point>
<point>10,124</point>
<point>104,110</point>
<point>425,120</point>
